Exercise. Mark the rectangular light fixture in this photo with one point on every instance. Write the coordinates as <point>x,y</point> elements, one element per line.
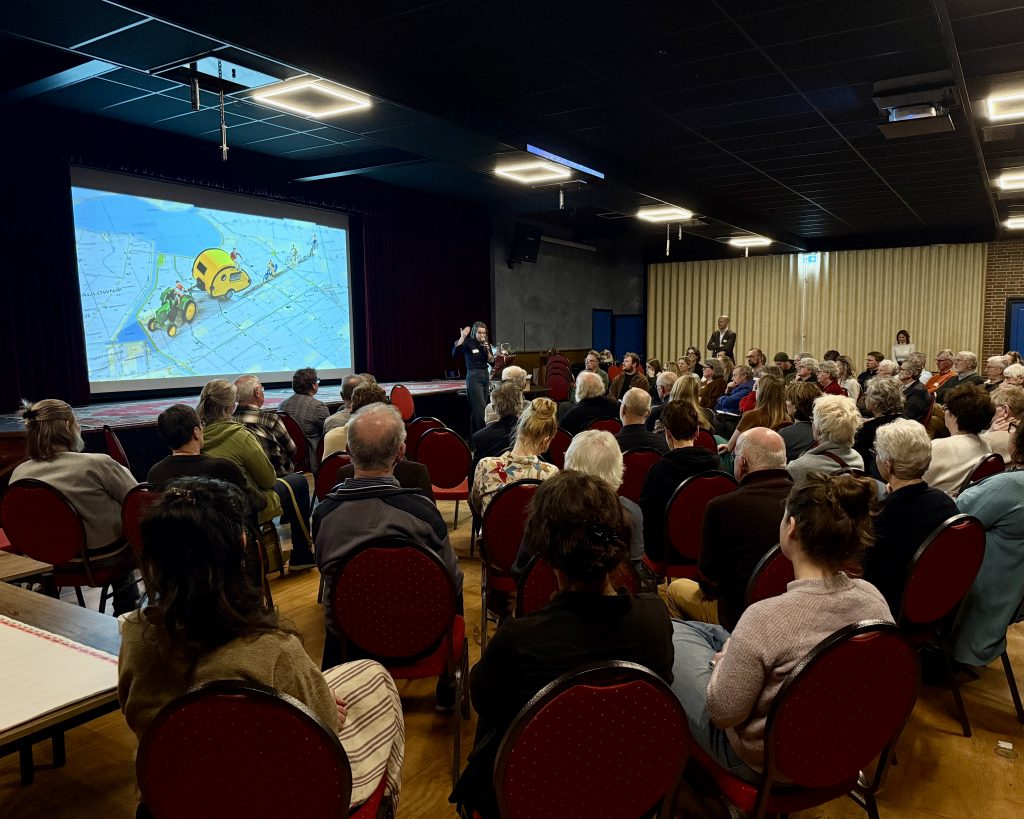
<point>750,241</point>
<point>1011,181</point>
<point>1009,106</point>
<point>313,97</point>
<point>531,171</point>
<point>1015,223</point>
<point>664,213</point>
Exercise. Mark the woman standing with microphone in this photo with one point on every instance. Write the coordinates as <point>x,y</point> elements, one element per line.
<point>472,343</point>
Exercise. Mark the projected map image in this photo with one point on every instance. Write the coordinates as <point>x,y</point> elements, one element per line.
<point>171,290</point>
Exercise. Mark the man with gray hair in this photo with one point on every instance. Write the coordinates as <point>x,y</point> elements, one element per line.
<point>664,383</point>
<point>994,368</point>
<point>738,529</point>
<point>591,404</point>
<point>965,363</point>
<point>267,426</point>
<point>340,418</point>
<point>372,505</point>
<point>516,377</point>
<point>636,407</point>
<point>496,437</point>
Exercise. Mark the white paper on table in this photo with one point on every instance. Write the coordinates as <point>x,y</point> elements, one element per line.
<point>42,672</point>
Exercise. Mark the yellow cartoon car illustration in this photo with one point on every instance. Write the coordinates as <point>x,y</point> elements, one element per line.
<point>215,272</point>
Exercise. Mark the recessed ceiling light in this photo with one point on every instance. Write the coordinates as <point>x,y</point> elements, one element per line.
<point>750,241</point>
<point>1011,181</point>
<point>313,97</point>
<point>1015,223</point>
<point>533,170</point>
<point>1008,106</point>
<point>664,213</point>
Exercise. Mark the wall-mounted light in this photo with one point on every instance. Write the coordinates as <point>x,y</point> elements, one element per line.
<point>1011,181</point>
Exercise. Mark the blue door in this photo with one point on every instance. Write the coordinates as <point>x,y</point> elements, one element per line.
<point>1015,324</point>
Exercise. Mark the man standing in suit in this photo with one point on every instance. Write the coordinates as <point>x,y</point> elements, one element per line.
<point>722,339</point>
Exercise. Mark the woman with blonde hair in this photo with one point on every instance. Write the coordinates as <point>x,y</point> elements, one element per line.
<point>687,389</point>
<point>848,377</point>
<point>728,365</point>
<point>534,432</point>
<point>769,411</point>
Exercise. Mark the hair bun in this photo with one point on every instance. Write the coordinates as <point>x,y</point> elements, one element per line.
<point>545,407</point>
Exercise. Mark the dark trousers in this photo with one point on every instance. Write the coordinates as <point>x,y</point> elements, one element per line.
<point>302,549</point>
<point>476,394</point>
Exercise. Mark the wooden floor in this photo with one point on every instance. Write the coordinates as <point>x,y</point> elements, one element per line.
<point>940,773</point>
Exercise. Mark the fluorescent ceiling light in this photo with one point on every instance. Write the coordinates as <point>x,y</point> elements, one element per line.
<point>664,213</point>
<point>1015,223</point>
<point>561,160</point>
<point>533,170</point>
<point>313,97</point>
<point>1010,106</point>
<point>750,241</point>
<point>1012,181</point>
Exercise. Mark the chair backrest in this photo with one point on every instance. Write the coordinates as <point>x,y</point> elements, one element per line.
<point>320,449</point>
<point>559,361</point>
<point>991,464</point>
<point>394,600</point>
<point>770,577</point>
<point>559,445</point>
<point>234,748</point>
<point>558,386</point>
<point>612,425</point>
<point>401,399</point>
<point>535,587</point>
<point>504,523</point>
<point>41,523</point>
<point>446,457</point>
<point>614,371</point>
<point>707,440</point>
<point>327,475</point>
<point>637,463</point>
<point>942,571</point>
<point>684,515</point>
<point>926,413</point>
<point>133,507</point>
<point>114,448</point>
<point>608,739</point>
<point>860,685</point>
<point>299,439</point>
<point>414,431</point>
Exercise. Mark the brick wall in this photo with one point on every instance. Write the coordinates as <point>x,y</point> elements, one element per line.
<point>1004,278</point>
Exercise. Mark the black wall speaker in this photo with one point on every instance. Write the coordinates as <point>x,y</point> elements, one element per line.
<point>525,243</point>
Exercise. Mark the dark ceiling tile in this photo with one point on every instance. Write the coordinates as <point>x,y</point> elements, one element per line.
<point>827,18</point>
<point>56,22</point>
<point>91,95</point>
<point>995,60</point>
<point>1005,28</point>
<point>140,80</point>
<point>250,132</point>
<point>148,110</point>
<point>818,73</point>
<point>150,45</point>
<point>712,71</point>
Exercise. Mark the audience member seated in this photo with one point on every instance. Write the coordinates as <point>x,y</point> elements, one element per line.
<point>534,432</point>
<point>728,365</point>
<point>915,396</point>
<point>994,369</point>
<point>93,483</point>
<point>205,622</point>
<point>631,376</point>
<point>726,682</point>
<point>979,635</point>
<point>965,363</point>
<point>307,411</point>
<point>912,509</point>
<point>870,369</point>
<point>366,393</point>
<point>653,370</point>
<point>513,376</point>
<point>944,371</point>
<point>738,529</point>
<point>769,411</point>
<point>267,426</point>
<point>577,525</point>
<point>591,404</point>
<point>1014,375</point>
<point>969,412</point>
<point>682,461</point>
<point>687,389</point>
<point>372,505</point>
<point>714,384</point>
<point>636,407</point>
<point>496,438</point>
<point>798,436</point>
<point>888,368</point>
<point>807,369</point>
<point>848,377</point>
<point>883,398</point>
<point>784,363</point>
<point>666,381</point>
<point>340,418</point>
<point>592,364</point>
<point>741,384</point>
<point>920,360</point>
<point>757,361</point>
<point>828,379</point>
<point>834,423</point>
<point>1008,405</point>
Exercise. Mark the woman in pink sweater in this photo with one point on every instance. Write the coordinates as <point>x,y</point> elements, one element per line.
<point>727,682</point>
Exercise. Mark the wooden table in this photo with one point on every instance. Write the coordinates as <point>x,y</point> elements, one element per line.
<point>18,567</point>
<point>82,625</point>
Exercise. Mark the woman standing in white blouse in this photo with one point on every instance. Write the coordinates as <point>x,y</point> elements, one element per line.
<point>902,349</point>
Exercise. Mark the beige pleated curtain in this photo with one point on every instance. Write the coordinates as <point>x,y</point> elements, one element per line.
<point>853,301</point>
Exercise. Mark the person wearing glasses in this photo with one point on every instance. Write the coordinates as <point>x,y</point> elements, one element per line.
<point>943,371</point>
<point>965,364</point>
<point>592,364</point>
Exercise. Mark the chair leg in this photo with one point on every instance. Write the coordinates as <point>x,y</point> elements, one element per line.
<point>958,700</point>
<point>60,754</point>
<point>483,607</point>
<point>81,597</point>
<point>1014,692</point>
<point>104,593</point>
<point>456,526</point>
<point>28,765</point>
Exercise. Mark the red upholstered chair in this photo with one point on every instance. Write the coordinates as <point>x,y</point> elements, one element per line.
<point>299,439</point>
<point>500,535</point>
<point>634,739</point>
<point>612,425</point>
<point>320,449</point>
<point>991,464</point>
<point>447,459</point>
<point>114,448</point>
<point>872,670</point>
<point>614,371</point>
<point>394,601</point>
<point>770,577</point>
<point>133,507</point>
<point>558,386</point>
<point>535,587</point>
<point>940,575</point>
<point>926,414</point>
<point>327,475</point>
<point>41,523</point>
<point>557,360</point>
<point>559,445</point>
<point>684,521</point>
<point>414,431</point>
<point>637,462</point>
<point>706,440</point>
<point>236,748</point>
<point>401,399</point>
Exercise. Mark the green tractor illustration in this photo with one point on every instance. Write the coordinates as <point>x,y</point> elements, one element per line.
<point>176,309</point>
